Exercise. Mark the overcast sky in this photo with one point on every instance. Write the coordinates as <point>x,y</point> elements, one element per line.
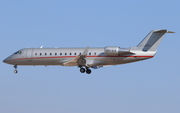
<point>150,86</point>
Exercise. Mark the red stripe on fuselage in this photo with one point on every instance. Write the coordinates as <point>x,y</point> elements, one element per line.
<point>76,56</point>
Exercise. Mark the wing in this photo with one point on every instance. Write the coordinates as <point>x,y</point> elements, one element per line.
<point>79,60</point>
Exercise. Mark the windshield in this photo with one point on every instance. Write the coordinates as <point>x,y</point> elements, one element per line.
<point>18,52</point>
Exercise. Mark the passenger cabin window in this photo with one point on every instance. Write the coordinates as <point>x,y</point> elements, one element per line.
<point>79,53</point>
<point>69,53</point>
<point>89,53</point>
<point>60,53</point>
<point>55,53</point>
<point>45,53</point>
<point>74,53</point>
<point>40,53</point>
<point>50,53</point>
<point>35,53</point>
<point>65,53</point>
<point>94,53</point>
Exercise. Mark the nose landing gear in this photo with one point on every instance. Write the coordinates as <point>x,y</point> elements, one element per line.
<point>15,71</point>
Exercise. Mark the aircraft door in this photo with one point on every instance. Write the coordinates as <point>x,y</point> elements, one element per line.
<point>29,54</point>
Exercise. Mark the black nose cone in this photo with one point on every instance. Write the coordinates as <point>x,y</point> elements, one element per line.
<point>7,60</point>
<point>4,60</point>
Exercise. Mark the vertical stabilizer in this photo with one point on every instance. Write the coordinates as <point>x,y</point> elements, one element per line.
<point>152,40</point>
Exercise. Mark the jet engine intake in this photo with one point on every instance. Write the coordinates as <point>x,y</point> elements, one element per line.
<point>111,51</point>
<point>115,51</point>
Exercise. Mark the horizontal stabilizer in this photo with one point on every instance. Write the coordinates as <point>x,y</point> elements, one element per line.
<point>170,32</point>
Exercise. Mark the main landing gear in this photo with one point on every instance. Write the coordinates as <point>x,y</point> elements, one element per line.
<point>15,71</point>
<point>87,70</point>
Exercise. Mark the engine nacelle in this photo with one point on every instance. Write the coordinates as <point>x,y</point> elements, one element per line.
<point>111,51</point>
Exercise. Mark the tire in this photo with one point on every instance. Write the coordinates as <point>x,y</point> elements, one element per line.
<point>15,71</point>
<point>82,70</point>
<point>88,71</point>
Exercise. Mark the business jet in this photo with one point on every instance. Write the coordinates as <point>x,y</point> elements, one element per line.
<point>86,58</point>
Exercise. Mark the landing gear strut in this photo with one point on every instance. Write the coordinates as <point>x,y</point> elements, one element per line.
<point>87,70</point>
<point>15,71</point>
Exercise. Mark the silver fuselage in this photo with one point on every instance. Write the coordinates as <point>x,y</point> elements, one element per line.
<point>57,56</point>
<point>86,58</point>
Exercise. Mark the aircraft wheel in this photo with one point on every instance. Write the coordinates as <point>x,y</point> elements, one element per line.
<point>82,70</point>
<point>15,71</point>
<point>88,71</point>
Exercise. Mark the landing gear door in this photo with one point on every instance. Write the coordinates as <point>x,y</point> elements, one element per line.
<point>29,54</point>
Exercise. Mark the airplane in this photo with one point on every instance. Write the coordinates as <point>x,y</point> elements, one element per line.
<point>86,58</point>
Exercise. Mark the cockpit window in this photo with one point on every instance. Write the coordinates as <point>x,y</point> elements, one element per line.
<point>18,52</point>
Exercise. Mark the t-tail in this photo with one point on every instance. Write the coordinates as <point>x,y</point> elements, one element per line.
<point>152,40</point>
